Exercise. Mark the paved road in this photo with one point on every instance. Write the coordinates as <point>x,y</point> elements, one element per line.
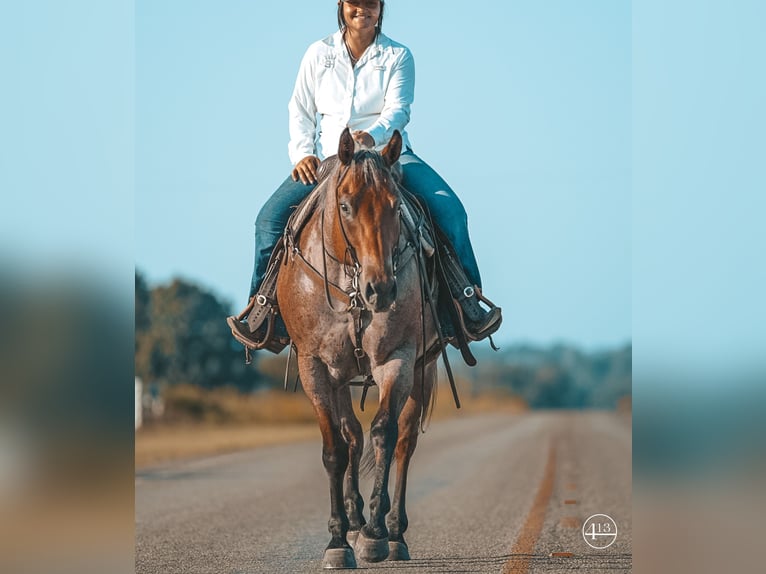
<point>497,493</point>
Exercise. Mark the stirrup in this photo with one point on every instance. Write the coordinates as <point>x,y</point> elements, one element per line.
<point>262,308</point>
<point>253,334</point>
<point>492,319</point>
<point>252,340</point>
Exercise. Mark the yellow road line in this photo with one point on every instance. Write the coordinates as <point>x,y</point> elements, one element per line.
<point>524,546</point>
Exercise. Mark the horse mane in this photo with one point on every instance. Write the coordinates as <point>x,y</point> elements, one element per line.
<point>374,170</point>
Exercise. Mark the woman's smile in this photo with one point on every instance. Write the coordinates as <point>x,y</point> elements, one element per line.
<point>361,14</point>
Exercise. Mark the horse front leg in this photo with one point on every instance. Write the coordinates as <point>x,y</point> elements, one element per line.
<point>394,388</point>
<point>324,399</point>
<point>409,427</point>
<point>354,437</point>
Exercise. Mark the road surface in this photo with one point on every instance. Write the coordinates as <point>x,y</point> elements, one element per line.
<point>495,493</point>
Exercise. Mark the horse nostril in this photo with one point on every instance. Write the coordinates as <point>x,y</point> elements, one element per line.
<point>382,293</point>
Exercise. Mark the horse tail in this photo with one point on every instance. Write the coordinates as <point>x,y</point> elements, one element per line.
<point>367,462</point>
<point>428,410</point>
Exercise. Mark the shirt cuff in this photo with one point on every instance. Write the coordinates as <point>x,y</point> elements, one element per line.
<point>378,133</point>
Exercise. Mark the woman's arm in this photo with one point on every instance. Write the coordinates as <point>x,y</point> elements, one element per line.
<point>399,96</point>
<point>302,112</point>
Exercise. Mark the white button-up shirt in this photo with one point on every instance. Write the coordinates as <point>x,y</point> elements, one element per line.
<point>374,96</point>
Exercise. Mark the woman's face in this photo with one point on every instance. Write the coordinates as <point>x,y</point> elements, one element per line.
<point>361,15</point>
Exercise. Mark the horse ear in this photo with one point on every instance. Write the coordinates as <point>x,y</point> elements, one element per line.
<point>346,147</point>
<point>393,149</point>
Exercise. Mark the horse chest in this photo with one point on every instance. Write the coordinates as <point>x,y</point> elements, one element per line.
<point>339,340</point>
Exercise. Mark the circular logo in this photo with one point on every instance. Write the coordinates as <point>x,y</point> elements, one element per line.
<point>599,531</point>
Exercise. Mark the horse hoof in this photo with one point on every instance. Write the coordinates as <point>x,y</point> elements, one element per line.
<point>370,549</point>
<point>351,537</point>
<point>398,551</point>
<point>338,558</point>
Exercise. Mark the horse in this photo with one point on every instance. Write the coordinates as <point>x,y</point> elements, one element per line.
<point>350,297</point>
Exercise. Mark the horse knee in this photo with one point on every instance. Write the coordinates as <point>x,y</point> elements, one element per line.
<point>384,432</point>
<point>405,446</point>
<point>335,460</point>
<point>353,435</point>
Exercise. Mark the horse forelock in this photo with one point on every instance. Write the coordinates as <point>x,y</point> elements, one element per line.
<point>368,168</point>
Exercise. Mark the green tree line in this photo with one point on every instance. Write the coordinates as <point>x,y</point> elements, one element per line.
<point>182,338</point>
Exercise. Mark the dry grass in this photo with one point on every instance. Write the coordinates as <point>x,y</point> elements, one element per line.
<point>163,443</point>
<point>190,404</point>
<point>201,423</point>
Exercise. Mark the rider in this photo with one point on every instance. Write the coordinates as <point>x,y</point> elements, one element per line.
<point>359,78</point>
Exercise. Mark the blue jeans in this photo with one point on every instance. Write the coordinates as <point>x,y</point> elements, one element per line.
<point>418,177</point>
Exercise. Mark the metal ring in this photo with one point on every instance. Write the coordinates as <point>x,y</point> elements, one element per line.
<point>261,300</point>
<point>469,291</point>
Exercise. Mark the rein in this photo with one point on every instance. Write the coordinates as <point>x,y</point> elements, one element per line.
<point>426,293</point>
<point>356,301</point>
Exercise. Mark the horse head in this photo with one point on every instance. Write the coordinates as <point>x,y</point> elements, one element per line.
<point>367,205</point>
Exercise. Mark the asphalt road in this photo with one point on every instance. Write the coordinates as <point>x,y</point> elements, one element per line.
<point>494,493</point>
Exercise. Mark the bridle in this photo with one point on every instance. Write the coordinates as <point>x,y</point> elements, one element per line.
<point>353,269</point>
<point>350,262</point>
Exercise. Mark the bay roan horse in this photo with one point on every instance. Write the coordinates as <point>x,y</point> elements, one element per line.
<point>350,296</point>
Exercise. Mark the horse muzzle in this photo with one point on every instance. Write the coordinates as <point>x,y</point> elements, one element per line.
<point>380,294</point>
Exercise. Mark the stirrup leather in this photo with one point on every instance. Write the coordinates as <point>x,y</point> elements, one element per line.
<point>466,298</point>
<point>262,311</point>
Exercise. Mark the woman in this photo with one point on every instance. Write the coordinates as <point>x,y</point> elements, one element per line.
<point>359,78</point>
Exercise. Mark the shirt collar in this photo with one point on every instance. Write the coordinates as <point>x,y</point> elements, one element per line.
<point>378,46</point>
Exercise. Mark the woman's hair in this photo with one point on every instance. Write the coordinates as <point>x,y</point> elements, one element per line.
<point>378,26</point>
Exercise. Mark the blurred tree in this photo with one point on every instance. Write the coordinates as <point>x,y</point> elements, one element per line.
<point>561,376</point>
<point>143,297</point>
<point>272,369</point>
<point>182,337</point>
<point>551,388</point>
<point>187,340</point>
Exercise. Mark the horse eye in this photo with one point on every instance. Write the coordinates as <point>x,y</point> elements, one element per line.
<point>344,208</point>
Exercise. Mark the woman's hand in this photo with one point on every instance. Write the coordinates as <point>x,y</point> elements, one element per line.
<point>364,139</point>
<point>306,170</point>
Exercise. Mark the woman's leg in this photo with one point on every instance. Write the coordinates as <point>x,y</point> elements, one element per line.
<point>270,224</point>
<point>445,207</point>
<point>449,215</point>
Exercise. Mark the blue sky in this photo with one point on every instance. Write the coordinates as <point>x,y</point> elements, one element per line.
<point>610,157</point>
<point>524,107</point>
<point>67,129</point>
<point>699,187</point>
